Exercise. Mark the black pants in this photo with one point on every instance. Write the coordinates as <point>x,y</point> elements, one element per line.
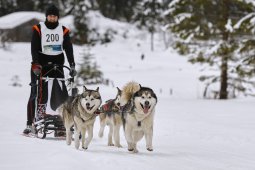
<point>31,101</point>
<point>42,89</point>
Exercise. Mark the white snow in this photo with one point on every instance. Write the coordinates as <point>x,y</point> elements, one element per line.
<point>214,48</point>
<point>250,1</point>
<point>228,26</point>
<point>97,21</point>
<point>17,18</point>
<point>190,133</point>
<point>239,23</point>
<point>179,18</point>
<point>67,21</point>
<point>173,2</point>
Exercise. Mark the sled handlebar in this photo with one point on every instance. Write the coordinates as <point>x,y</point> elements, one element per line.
<point>55,67</point>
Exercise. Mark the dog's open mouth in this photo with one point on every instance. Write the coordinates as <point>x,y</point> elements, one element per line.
<point>145,108</point>
<point>90,108</point>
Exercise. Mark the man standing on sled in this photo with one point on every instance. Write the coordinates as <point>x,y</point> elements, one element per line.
<point>49,40</point>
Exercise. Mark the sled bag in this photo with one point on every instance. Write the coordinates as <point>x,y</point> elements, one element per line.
<point>58,94</point>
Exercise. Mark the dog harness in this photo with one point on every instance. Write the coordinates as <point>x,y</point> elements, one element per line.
<point>109,107</point>
<point>130,108</point>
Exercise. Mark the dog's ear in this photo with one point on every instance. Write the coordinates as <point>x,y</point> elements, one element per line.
<point>84,88</point>
<point>119,91</point>
<point>140,86</point>
<point>97,89</point>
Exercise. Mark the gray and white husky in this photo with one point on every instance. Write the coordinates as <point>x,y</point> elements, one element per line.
<point>138,113</point>
<point>110,115</point>
<point>80,111</point>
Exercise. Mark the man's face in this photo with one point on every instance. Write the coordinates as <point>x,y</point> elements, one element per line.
<point>52,18</point>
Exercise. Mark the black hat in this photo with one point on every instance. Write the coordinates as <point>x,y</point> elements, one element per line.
<point>52,10</point>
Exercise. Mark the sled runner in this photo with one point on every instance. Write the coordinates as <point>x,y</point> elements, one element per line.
<point>51,93</point>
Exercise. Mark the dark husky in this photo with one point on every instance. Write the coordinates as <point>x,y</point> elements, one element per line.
<point>110,115</point>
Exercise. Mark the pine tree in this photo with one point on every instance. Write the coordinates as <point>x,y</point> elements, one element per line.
<point>205,31</point>
<point>27,5</point>
<point>89,72</point>
<point>65,6</point>
<point>149,15</point>
<point>42,5</point>
<point>246,62</point>
<point>80,21</point>
<point>7,6</point>
<point>117,9</point>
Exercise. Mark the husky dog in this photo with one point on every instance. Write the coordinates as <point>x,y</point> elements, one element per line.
<point>138,106</point>
<point>110,115</point>
<point>81,111</point>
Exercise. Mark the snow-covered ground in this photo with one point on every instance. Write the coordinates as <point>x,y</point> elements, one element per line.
<point>189,133</point>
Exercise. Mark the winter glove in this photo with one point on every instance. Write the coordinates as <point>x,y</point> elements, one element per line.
<point>72,72</point>
<point>36,68</point>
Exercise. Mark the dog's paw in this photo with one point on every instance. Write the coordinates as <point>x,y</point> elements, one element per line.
<point>110,144</point>
<point>130,149</point>
<point>135,150</point>
<point>77,145</point>
<point>68,141</point>
<point>118,145</point>
<point>149,149</point>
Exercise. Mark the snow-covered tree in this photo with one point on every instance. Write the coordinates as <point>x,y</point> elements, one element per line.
<point>81,32</point>
<point>89,72</point>
<point>209,32</point>
<point>4,40</point>
<point>86,33</point>
<point>246,49</point>
<point>27,5</point>
<point>117,9</point>
<point>66,7</point>
<point>42,5</point>
<point>149,15</point>
<point>7,6</point>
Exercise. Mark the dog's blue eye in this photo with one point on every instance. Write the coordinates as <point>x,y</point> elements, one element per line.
<point>92,99</point>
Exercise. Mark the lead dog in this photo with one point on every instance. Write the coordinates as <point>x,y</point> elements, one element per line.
<point>110,115</point>
<point>138,105</point>
<point>80,111</point>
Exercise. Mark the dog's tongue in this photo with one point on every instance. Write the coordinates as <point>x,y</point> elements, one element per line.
<point>146,109</point>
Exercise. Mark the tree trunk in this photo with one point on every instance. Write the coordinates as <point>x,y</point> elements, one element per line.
<point>224,58</point>
<point>152,41</point>
<point>224,78</point>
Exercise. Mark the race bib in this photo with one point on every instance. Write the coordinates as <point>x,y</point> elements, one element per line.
<point>52,40</point>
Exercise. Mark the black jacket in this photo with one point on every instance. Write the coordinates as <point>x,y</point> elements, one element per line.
<point>39,57</point>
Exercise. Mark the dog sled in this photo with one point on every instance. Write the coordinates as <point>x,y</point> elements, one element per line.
<point>51,93</point>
